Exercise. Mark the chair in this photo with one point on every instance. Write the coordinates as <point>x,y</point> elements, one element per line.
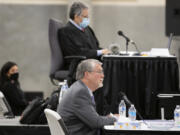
<point>5,108</point>
<point>57,70</point>
<point>55,122</point>
<point>57,60</point>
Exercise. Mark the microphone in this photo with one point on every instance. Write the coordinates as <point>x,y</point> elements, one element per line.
<point>115,48</point>
<point>124,97</point>
<point>128,102</point>
<point>120,33</point>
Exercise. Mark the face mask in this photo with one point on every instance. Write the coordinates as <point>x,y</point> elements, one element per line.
<point>84,23</point>
<point>14,76</point>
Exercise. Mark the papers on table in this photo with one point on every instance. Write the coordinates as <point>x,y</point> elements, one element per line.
<point>159,52</point>
<point>145,125</point>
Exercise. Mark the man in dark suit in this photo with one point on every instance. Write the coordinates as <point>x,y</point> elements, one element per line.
<point>77,37</point>
<point>78,108</point>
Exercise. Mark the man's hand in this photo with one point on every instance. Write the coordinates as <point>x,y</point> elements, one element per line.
<point>105,51</point>
<point>116,116</point>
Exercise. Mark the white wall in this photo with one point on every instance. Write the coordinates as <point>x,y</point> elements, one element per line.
<point>24,34</point>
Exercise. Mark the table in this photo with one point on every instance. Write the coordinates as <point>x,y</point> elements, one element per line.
<point>13,127</point>
<point>141,78</point>
<point>144,130</point>
<point>168,102</point>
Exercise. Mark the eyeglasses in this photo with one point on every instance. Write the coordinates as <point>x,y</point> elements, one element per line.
<point>100,72</point>
<point>84,16</point>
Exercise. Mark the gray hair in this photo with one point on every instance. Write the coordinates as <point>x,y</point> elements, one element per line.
<point>76,9</point>
<point>86,65</point>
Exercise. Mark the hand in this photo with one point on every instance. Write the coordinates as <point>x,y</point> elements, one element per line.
<point>105,51</point>
<point>116,116</point>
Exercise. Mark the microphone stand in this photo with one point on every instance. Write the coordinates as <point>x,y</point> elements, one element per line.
<point>127,43</point>
<point>129,103</point>
<point>141,118</point>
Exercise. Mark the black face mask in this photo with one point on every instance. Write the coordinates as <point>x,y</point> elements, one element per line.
<point>14,76</point>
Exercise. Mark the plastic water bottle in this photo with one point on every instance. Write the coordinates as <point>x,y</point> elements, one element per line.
<point>64,88</point>
<point>122,109</point>
<point>177,116</point>
<point>132,113</point>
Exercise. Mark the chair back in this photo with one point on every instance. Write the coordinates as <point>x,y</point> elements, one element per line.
<point>55,122</point>
<point>5,108</point>
<point>57,59</point>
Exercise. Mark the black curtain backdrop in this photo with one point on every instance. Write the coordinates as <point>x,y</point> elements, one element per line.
<point>139,132</point>
<point>141,78</point>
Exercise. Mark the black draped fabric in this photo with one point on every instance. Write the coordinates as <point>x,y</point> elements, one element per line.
<point>141,78</point>
<point>140,132</point>
<point>24,130</point>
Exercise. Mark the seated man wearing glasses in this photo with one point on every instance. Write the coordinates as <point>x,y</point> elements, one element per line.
<point>78,108</point>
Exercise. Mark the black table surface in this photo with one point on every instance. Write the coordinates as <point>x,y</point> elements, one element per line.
<point>141,78</point>
<point>13,127</point>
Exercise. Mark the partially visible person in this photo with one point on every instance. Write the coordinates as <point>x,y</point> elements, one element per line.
<point>78,108</point>
<point>77,37</point>
<point>11,89</point>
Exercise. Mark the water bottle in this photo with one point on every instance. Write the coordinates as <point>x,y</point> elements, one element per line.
<point>64,88</point>
<point>122,109</point>
<point>132,113</point>
<point>177,116</point>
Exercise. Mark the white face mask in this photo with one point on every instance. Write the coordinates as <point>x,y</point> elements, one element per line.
<point>84,23</point>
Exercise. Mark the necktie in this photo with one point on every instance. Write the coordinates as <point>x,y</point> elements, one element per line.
<point>92,97</point>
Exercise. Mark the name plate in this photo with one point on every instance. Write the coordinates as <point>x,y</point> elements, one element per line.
<point>134,125</point>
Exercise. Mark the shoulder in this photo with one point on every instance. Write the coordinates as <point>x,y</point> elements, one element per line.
<point>90,29</point>
<point>8,88</point>
<point>8,84</point>
<point>69,29</point>
<point>79,94</point>
<point>79,87</point>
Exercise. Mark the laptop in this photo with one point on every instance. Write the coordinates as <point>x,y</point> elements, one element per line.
<point>162,51</point>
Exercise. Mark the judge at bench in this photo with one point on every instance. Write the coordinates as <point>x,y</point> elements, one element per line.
<point>77,37</point>
<point>78,108</point>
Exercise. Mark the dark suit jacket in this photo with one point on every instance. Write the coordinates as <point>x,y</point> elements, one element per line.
<point>14,96</point>
<point>78,111</point>
<point>76,42</point>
